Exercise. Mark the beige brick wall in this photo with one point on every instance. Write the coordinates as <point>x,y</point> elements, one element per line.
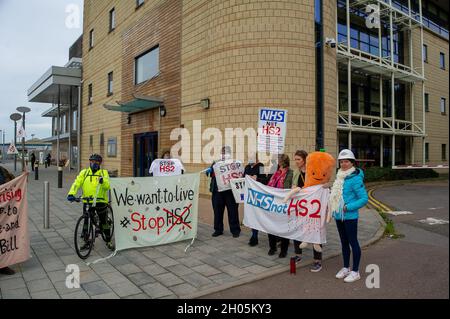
<point>248,55</point>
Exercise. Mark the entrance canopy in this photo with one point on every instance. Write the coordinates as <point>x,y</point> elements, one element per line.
<point>56,80</point>
<point>140,103</point>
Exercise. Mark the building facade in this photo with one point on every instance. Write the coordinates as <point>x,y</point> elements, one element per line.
<point>150,67</point>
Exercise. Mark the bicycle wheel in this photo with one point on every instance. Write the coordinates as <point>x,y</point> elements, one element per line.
<point>84,238</point>
<point>109,224</point>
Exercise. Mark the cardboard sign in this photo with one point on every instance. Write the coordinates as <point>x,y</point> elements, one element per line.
<point>272,129</point>
<point>166,167</point>
<point>238,188</point>
<point>226,171</point>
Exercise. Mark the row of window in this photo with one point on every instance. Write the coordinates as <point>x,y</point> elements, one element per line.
<point>64,123</point>
<point>441,57</point>
<point>443,105</point>
<point>111,145</point>
<point>443,152</point>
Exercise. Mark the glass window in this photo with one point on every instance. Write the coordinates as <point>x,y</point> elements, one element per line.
<point>112,147</point>
<point>112,19</point>
<point>139,3</point>
<point>425,53</point>
<point>444,152</point>
<point>427,102</point>
<point>443,105</point>
<point>147,66</point>
<point>427,152</point>
<point>90,94</point>
<point>442,61</point>
<point>91,39</point>
<point>110,83</point>
<point>75,120</point>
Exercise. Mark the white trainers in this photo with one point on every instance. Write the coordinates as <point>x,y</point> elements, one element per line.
<point>344,272</point>
<point>352,277</point>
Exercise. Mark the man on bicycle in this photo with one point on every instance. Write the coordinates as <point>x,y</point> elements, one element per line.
<point>88,180</point>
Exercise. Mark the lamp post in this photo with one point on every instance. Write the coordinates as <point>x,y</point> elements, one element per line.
<point>3,146</point>
<point>15,117</point>
<point>23,110</point>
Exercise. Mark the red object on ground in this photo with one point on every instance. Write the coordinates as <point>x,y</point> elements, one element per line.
<point>293,266</point>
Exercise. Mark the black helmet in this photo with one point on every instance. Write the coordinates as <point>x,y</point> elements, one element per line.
<point>96,157</point>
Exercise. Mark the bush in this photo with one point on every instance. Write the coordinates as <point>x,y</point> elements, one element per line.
<point>375,174</point>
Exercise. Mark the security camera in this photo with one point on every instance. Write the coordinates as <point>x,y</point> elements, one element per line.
<point>330,42</point>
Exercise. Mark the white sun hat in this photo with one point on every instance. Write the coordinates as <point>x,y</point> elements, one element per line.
<point>346,154</point>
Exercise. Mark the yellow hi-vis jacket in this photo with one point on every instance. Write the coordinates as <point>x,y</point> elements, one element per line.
<point>88,182</point>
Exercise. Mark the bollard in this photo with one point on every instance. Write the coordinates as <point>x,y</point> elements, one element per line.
<point>46,205</point>
<point>60,177</point>
<point>36,172</point>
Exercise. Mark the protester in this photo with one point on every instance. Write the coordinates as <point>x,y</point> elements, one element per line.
<point>33,160</point>
<point>299,181</point>
<point>6,177</point>
<point>255,170</point>
<point>348,195</point>
<point>281,179</point>
<point>220,200</point>
<point>48,160</point>
<point>171,167</point>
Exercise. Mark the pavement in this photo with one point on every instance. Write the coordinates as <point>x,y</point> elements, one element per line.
<point>210,266</point>
<point>415,266</point>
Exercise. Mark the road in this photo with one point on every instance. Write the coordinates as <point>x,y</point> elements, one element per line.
<point>416,266</point>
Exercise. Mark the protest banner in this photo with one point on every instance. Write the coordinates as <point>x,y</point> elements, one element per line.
<point>166,167</point>
<point>272,129</point>
<point>302,218</point>
<point>151,211</point>
<point>238,188</point>
<point>14,238</point>
<point>226,171</point>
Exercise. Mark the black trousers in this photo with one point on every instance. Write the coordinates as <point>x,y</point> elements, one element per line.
<point>273,243</point>
<point>101,209</point>
<point>298,250</point>
<point>220,200</point>
<point>32,166</point>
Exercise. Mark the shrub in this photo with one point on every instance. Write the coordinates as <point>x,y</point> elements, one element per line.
<point>374,174</point>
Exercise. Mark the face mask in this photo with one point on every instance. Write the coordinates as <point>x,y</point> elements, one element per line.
<point>95,167</point>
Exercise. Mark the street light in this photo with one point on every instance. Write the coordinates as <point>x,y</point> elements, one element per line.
<point>15,117</point>
<point>23,110</point>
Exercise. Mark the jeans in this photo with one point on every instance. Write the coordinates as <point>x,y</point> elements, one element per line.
<point>348,232</point>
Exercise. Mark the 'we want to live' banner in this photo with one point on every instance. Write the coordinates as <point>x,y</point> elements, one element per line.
<point>14,240</point>
<point>302,218</point>
<point>151,211</point>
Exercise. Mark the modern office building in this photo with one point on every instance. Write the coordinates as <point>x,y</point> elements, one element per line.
<point>61,87</point>
<point>152,66</point>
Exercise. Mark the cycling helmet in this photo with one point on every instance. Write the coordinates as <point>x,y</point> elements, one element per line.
<point>96,157</point>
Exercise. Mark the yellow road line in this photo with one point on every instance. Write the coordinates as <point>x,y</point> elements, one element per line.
<point>377,203</point>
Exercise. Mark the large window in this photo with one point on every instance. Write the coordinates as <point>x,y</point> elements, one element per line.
<point>147,66</point>
<point>444,152</point>
<point>427,102</point>
<point>91,39</point>
<point>443,105</point>
<point>112,147</point>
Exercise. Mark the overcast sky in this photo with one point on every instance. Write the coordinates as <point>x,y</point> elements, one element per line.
<point>34,36</point>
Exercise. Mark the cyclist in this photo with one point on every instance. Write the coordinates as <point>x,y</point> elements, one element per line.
<point>88,180</point>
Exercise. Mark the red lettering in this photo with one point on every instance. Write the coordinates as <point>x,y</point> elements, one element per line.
<point>305,209</point>
<point>293,205</point>
<point>136,221</point>
<point>317,213</point>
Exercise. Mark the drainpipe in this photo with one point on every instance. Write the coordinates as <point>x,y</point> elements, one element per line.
<point>318,23</point>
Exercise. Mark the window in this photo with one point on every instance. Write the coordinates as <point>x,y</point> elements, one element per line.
<point>427,152</point>
<point>91,140</point>
<point>425,53</point>
<point>427,102</point>
<point>102,139</point>
<point>110,83</point>
<point>75,120</point>
<point>444,152</point>
<point>443,105</point>
<point>91,39</point>
<point>112,147</point>
<point>147,66</point>
<point>90,94</point>
<point>112,19</point>
<point>442,61</point>
<point>139,3</point>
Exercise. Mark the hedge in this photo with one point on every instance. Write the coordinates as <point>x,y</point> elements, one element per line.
<point>374,174</point>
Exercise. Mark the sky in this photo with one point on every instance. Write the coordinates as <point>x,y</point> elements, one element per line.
<point>34,35</point>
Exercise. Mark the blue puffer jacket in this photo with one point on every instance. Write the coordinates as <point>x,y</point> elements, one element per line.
<point>355,196</point>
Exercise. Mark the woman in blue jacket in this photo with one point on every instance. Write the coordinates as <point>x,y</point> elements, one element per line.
<point>348,195</point>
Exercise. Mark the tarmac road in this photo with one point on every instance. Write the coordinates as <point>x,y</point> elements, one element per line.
<point>416,266</point>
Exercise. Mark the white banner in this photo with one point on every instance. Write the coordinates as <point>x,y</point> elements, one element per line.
<point>238,188</point>
<point>302,218</point>
<point>272,130</point>
<point>226,171</point>
<point>21,133</point>
<point>151,211</point>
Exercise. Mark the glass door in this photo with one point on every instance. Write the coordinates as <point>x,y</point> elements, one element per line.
<point>145,152</point>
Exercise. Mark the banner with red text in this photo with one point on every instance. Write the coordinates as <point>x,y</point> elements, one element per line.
<point>151,211</point>
<point>226,171</point>
<point>301,218</point>
<point>14,239</point>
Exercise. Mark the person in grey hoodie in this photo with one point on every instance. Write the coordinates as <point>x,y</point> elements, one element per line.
<point>348,195</point>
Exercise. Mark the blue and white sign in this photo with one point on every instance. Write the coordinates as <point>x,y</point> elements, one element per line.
<point>272,130</point>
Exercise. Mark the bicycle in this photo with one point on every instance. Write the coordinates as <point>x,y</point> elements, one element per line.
<point>88,227</point>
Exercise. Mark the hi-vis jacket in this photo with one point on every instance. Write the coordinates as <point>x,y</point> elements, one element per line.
<point>88,182</point>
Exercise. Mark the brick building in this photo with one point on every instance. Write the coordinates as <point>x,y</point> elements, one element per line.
<point>152,66</point>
